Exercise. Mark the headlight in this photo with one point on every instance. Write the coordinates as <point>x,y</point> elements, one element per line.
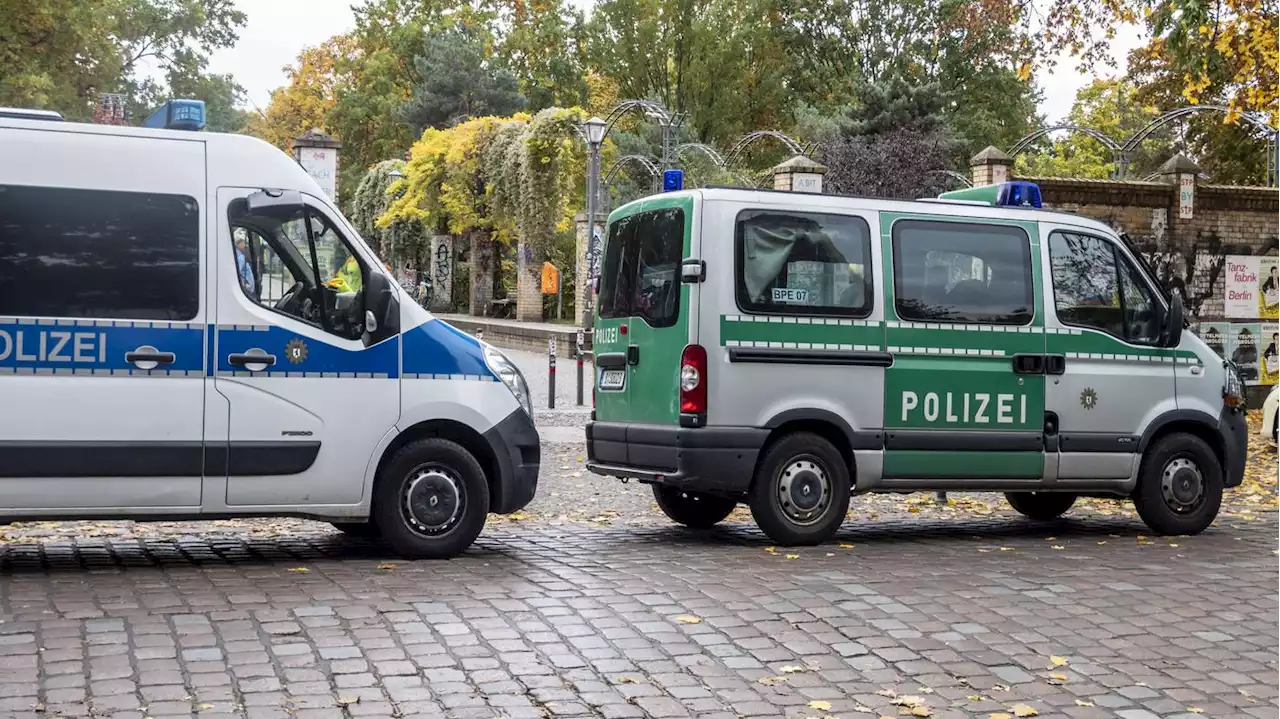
<point>510,376</point>
<point>1233,390</point>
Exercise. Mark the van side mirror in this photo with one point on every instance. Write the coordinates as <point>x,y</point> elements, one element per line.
<point>1174,322</point>
<point>380,303</point>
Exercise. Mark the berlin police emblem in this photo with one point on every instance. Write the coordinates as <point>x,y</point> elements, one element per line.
<point>295,351</point>
<point>1088,398</point>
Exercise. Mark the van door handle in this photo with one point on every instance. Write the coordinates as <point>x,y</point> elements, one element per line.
<point>243,359</point>
<point>633,354</point>
<point>1028,364</point>
<point>151,355</point>
<point>1055,364</point>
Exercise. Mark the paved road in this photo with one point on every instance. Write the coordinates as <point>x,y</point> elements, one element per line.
<point>962,618</point>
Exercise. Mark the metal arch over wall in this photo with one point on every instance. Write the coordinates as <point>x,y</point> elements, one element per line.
<point>642,161</point>
<point>712,153</point>
<point>958,177</point>
<point>1122,152</point>
<point>793,145</point>
<point>665,119</point>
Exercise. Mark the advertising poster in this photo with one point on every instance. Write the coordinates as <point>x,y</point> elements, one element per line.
<point>1268,288</point>
<point>1240,297</point>
<point>1269,364</point>
<point>1242,344</point>
<point>322,165</point>
<point>1216,334</point>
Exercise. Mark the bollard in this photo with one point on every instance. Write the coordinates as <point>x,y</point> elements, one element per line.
<point>551,373</point>
<point>580,342</point>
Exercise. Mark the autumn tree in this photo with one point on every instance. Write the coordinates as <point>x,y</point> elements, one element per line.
<point>308,101</point>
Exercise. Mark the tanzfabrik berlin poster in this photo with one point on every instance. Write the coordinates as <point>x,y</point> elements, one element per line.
<point>1252,288</point>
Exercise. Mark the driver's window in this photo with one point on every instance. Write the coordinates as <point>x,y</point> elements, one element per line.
<point>294,261</point>
<point>1141,313</point>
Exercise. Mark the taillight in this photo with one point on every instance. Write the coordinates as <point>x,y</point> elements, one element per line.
<point>693,380</point>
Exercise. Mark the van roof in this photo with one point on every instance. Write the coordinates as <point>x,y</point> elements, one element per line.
<point>931,206</point>
<point>231,160</point>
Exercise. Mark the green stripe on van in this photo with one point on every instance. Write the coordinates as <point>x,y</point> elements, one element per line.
<point>912,464</point>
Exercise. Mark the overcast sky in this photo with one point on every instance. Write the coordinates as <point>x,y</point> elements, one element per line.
<point>277,30</point>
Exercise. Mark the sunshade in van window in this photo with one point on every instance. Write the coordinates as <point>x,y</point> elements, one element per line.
<point>803,263</point>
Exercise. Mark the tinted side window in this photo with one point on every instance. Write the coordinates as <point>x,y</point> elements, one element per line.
<point>98,254</point>
<point>640,275</point>
<point>803,263</point>
<point>956,272</point>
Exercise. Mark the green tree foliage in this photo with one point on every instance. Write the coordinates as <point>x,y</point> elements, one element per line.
<point>378,190</point>
<point>62,54</point>
<point>456,82</point>
<point>1113,107</point>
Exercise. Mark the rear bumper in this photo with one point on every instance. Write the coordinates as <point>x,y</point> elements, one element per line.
<point>517,456</point>
<point>1235,444</point>
<point>718,460</point>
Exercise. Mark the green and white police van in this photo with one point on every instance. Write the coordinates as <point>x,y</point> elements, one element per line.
<point>789,350</point>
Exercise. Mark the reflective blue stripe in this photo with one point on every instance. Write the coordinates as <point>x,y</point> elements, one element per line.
<point>437,348</point>
<point>87,346</point>
<point>295,353</point>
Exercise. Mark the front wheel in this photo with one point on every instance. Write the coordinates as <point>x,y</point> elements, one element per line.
<point>692,509</point>
<point>431,500</point>
<point>1179,485</point>
<point>1040,506</point>
<point>800,493</point>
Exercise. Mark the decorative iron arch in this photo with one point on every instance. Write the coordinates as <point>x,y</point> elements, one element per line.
<point>663,117</point>
<point>1138,137</point>
<point>1025,142</point>
<point>712,153</point>
<point>958,177</point>
<point>793,145</point>
<point>644,162</point>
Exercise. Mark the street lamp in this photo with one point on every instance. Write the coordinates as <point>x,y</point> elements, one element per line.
<point>594,130</point>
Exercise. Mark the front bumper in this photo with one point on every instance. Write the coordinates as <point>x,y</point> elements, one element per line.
<point>516,450</point>
<point>717,460</point>
<point>1235,445</point>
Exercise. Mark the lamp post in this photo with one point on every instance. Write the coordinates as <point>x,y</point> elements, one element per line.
<point>594,129</point>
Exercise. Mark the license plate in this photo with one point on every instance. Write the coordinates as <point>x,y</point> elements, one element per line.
<point>611,380</point>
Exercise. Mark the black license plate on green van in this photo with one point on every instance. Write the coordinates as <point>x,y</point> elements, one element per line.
<point>611,380</point>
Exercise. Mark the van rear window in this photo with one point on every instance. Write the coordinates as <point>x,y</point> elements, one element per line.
<point>640,274</point>
<point>803,263</point>
<point>98,254</point>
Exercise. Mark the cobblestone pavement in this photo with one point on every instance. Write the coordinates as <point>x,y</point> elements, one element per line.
<point>908,617</point>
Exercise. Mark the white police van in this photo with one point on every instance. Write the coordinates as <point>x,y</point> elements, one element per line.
<point>190,329</point>
<point>789,350</point>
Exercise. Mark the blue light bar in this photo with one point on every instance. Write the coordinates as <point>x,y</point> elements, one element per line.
<point>178,115</point>
<point>672,180</point>
<point>1018,194</point>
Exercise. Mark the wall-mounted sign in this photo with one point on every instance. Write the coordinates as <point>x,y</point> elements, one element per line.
<point>1186,196</point>
<point>322,164</point>
<point>1251,288</point>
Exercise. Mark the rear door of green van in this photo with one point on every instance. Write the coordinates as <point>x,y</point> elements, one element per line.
<point>644,311</point>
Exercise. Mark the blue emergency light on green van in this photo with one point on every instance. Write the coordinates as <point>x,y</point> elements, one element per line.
<point>1006,194</point>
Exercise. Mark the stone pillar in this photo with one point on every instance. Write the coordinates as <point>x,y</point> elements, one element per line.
<point>991,167</point>
<point>482,263</point>
<point>799,174</point>
<point>528,285</point>
<point>586,265</point>
<point>317,152</point>
<point>1181,172</point>
<point>441,274</point>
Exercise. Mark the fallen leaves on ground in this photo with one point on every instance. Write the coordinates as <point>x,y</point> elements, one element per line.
<point>1083,703</point>
<point>793,669</point>
<point>1058,661</point>
<point>387,566</point>
<point>299,569</point>
<point>1024,710</point>
<point>793,556</point>
<point>348,701</point>
<point>771,681</point>
<point>1057,678</point>
<point>626,680</point>
<point>820,705</point>
<point>688,619</point>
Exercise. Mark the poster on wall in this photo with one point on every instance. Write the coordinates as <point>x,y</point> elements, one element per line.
<point>1268,288</point>
<point>1216,334</point>
<point>322,164</point>
<point>1240,289</point>
<point>1269,364</point>
<point>1242,346</point>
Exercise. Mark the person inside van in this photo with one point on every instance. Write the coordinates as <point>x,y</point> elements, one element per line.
<point>242,264</point>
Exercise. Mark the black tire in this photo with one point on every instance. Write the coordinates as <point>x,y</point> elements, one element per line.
<point>1179,485</point>
<point>692,509</point>
<point>810,459</point>
<point>447,475</point>
<point>1040,506</point>
<point>357,529</point>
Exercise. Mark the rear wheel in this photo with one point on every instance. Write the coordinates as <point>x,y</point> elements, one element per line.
<point>800,493</point>
<point>692,509</point>
<point>1179,486</point>
<point>1040,506</point>
<point>431,500</point>
<point>357,529</point>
